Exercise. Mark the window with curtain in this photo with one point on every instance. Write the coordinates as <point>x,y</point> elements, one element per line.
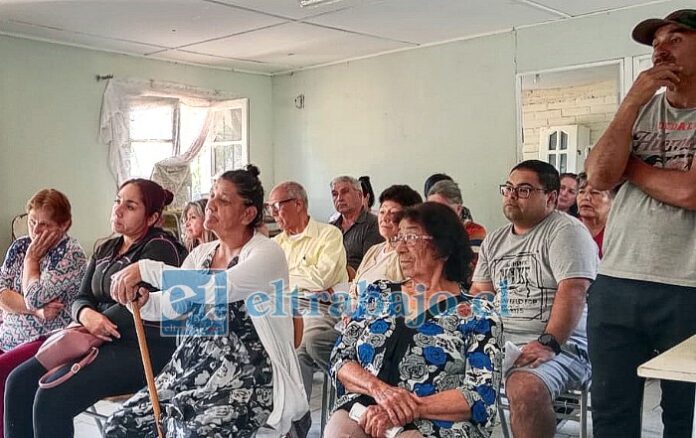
<point>156,124</point>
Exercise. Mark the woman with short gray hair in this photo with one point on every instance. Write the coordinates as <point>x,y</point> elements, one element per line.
<point>447,192</point>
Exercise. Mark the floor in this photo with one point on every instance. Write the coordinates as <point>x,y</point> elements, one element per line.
<point>85,426</point>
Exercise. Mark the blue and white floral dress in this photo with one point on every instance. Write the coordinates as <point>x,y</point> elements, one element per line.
<point>455,344</point>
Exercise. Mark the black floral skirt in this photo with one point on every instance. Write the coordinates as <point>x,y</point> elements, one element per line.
<point>214,386</point>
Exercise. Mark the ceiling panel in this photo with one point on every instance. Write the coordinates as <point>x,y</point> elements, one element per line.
<point>273,35</point>
<point>296,44</point>
<point>580,7</point>
<point>434,20</point>
<point>71,38</point>
<point>169,23</point>
<point>291,8</point>
<point>216,61</point>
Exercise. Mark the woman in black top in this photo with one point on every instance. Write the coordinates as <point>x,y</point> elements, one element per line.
<point>49,412</point>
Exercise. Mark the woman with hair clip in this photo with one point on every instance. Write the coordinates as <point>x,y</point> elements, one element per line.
<point>117,369</point>
<point>231,383</point>
<point>194,232</point>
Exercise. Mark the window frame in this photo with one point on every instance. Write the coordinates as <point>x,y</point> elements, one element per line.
<point>242,104</point>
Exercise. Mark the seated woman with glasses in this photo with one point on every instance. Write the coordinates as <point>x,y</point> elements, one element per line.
<point>420,354</point>
<point>593,209</point>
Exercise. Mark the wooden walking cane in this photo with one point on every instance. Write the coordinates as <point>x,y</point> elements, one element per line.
<point>147,365</point>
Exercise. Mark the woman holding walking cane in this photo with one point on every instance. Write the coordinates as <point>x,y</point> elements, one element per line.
<point>228,384</point>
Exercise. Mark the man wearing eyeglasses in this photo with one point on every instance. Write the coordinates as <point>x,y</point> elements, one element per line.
<point>645,294</point>
<point>316,263</point>
<point>540,267</point>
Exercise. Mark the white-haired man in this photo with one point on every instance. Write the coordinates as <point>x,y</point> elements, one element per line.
<point>316,263</point>
<point>359,226</point>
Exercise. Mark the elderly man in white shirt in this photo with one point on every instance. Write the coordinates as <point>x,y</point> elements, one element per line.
<point>316,263</point>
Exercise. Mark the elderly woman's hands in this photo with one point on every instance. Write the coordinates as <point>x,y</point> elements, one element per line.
<point>375,421</point>
<point>124,284</point>
<point>398,403</point>
<point>39,246</point>
<point>50,310</point>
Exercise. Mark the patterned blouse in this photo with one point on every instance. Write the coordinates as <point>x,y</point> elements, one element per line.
<point>61,270</point>
<point>455,344</point>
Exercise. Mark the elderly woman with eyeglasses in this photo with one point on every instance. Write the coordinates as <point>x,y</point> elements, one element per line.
<point>420,354</point>
<point>593,209</point>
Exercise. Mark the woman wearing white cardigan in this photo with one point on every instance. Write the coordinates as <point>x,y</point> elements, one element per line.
<point>230,384</point>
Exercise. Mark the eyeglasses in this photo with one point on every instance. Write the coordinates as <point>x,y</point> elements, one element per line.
<point>522,192</point>
<point>408,239</point>
<point>273,207</point>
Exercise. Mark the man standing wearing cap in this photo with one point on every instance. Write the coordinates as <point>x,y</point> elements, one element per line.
<point>644,299</point>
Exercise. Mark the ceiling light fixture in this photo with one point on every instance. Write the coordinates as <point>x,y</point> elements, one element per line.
<point>315,3</point>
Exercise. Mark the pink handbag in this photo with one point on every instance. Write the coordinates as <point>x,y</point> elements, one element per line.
<point>74,345</point>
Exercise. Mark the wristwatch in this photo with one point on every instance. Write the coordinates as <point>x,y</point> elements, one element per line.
<point>548,340</point>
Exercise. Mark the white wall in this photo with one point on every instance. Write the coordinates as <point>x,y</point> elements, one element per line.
<point>401,117</point>
<point>451,108</point>
<point>397,117</point>
<point>49,113</point>
<point>588,39</point>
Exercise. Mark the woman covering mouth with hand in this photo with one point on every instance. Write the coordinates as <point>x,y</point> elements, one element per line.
<point>49,412</point>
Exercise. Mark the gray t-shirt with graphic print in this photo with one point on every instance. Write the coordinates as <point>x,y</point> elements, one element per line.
<point>646,239</point>
<point>525,271</point>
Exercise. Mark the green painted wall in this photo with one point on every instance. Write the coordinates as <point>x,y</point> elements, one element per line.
<point>401,117</point>
<point>397,117</point>
<point>49,118</point>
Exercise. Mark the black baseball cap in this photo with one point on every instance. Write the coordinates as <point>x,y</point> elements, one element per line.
<point>644,32</point>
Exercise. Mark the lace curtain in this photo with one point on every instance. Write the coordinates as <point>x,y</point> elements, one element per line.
<point>174,172</point>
